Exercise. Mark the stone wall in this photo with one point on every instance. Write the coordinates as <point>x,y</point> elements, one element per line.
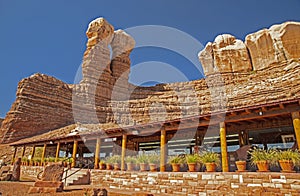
<point>186,183</point>
<point>199,183</point>
<point>31,172</point>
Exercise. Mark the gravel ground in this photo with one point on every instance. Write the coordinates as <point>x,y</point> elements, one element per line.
<point>21,189</point>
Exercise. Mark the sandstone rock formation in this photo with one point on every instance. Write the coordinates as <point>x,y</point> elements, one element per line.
<point>274,45</point>
<point>43,103</point>
<point>104,95</point>
<point>225,54</point>
<point>277,44</point>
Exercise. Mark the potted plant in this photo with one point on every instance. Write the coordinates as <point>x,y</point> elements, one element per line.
<point>24,160</point>
<point>114,160</point>
<point>64,161</point>
<point>153,160</point>
<point>262,158</point>
<point>37,161</point>
<point>241,165</point>
<point>288,159</point>
<point>192,160</point>
<point>211,160</point>
<point>102,165</point>
<point>130,161</point>
<point>109,162</point>
<point>142,159</point>
<point>70,161</point>
<point>175,161</point>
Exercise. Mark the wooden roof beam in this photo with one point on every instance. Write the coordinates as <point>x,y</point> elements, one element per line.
<point>281,105</point>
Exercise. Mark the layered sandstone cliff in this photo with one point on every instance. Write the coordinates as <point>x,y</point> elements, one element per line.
<point>43,103</point>
<point>279,43</point>
<point>262,70</point>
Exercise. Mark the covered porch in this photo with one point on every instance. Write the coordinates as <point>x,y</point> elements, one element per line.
<point>270,126</point>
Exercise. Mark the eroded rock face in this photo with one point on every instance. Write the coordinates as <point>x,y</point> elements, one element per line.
<point>122,45</point>
<point>261,49</point>
<point>99,30</point>
<point>225,54</point>
<point>274,45</point>
<point>43,103</point>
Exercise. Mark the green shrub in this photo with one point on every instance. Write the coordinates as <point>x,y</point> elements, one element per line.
<point>130,159</point>
<point>113,159</point>
<point>154,158</point>
<point>142,158</point>
<point>263,155</point>
<point>176,160</point>
<point>288,155</point>
<point>192,158</point>
<point>209,157</point>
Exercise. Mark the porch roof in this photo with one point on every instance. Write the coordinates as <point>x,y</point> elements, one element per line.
<point>77,131</point>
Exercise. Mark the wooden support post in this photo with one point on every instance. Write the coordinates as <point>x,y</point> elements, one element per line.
<point>223,141</point>
<point>43,153</point>
<point>14,155</point>
<point>163,148</point>
<point>75,146</point>
<point>296,123</point>
<point>23,151</point>
<point>97,153</point>
<point>124,144</point>
<point>32,152</point>
<point>57,152</point>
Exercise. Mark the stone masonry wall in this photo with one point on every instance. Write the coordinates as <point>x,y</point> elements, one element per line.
<point>199,183</point>
<point>30,171</point>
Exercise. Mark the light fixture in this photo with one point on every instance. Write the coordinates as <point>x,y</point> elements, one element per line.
<point>51,142</point>
<point>135,132</point>
<point>260,112</point>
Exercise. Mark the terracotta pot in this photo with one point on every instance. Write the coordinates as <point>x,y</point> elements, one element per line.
<point>192,167</point>
<point>153,167</point>
<point>175,167</point>
<point>102,166</point>
<point>241,165</point>
<point>263,166</point>
<point>117,166</point>
<point>143,166</point>
<point>130,166</point>
<point>286,165</point>
<point>109,166</point>
<point>65,164</point>
<point>136,167</point>
<point>210,167</point>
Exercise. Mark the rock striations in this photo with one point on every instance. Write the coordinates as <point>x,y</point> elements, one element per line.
<point>43,103</point>
<point>279,43</point>
<point>262,70</point>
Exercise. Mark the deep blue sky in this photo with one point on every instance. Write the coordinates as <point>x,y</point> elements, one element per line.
<point>49,36</point>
